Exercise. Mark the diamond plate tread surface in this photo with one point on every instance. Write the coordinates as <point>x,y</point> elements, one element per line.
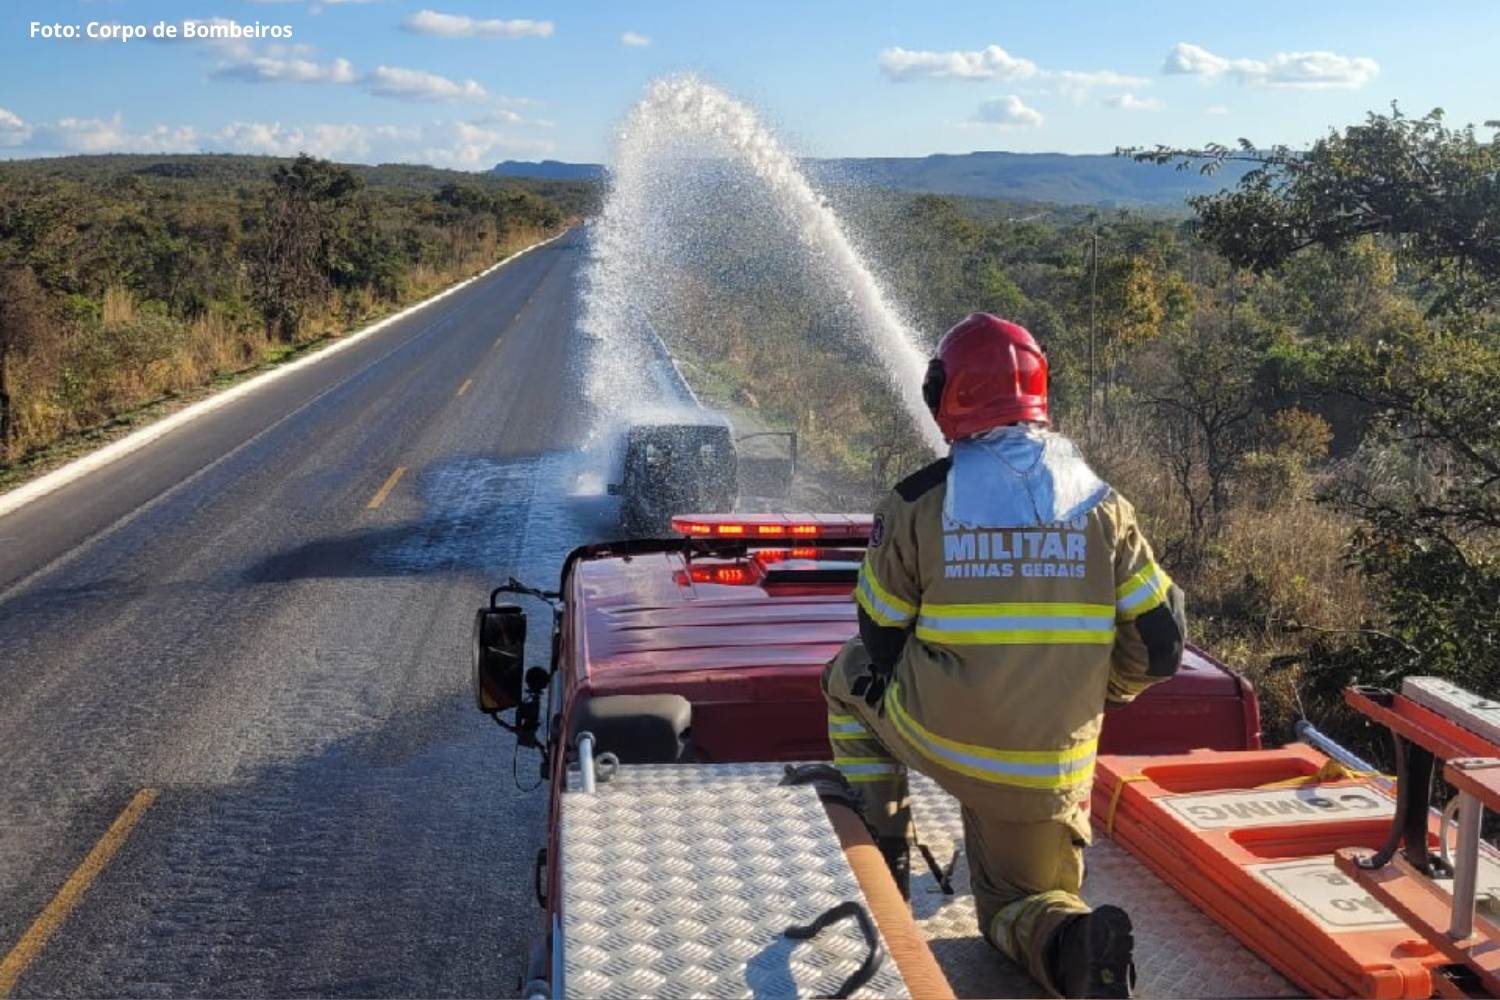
<point>678,881</point>
<point>1179,951</point>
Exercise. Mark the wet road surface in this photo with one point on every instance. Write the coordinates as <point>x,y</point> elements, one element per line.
<point>263,619</point>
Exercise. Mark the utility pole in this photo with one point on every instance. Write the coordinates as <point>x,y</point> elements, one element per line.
<point>1093,310</point>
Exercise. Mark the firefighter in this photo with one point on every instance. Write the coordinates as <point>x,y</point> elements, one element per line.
<point>1006,600</point>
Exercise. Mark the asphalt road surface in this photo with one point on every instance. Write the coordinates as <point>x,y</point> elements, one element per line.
<point>251,640</point>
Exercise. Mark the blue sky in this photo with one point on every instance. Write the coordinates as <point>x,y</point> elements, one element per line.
<point>465,83</point>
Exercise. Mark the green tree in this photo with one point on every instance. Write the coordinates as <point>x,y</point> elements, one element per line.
<point>1350,292</point>
<point>297,252</point>
<point>1131,310</point>
<point>1432,189</point>
<point>1204,401</point>
<point>1427,492</point>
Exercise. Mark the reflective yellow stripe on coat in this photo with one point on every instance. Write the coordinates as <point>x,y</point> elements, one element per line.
<point>1016,624</point>
<point>867,768</point>
<point>847,727</point>
<point>1046,769</point>
<point>879,603</point>
<point>1145,590</point>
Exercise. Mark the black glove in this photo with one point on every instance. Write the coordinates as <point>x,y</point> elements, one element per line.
<point>871,687</point>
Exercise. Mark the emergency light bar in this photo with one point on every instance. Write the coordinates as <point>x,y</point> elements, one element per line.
<point>809,564</point>
<point>750,527</point>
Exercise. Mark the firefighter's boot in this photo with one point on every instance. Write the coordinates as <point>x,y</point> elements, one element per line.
<point>1091,955</point>
<point>897,854</point>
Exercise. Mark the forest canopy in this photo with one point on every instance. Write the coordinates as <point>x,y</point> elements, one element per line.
<point>127,279</point>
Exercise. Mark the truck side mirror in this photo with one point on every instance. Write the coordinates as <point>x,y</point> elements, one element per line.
<point>499,652</point>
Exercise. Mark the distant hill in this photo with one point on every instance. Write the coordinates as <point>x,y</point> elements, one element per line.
<point>552,170</point>
<point>213,170</point>
<point>1059,178</point>
<point>1055,177</point>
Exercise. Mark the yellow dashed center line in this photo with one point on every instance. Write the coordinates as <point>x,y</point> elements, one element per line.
<point>385,489</point>
<point>465,387</point>
<point>45,925</point>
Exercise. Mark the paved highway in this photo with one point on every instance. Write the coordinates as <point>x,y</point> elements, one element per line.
<point>238,750</point>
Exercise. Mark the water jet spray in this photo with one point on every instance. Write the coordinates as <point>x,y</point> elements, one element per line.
<point>684,145</point>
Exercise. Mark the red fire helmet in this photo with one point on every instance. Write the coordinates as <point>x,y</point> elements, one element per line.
<point>988,372</point>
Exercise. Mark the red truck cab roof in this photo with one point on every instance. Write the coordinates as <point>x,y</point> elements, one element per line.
<point>743,633</point>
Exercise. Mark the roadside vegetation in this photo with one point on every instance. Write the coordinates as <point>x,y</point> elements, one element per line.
<point>1298,386</point>
<point>129,280</point>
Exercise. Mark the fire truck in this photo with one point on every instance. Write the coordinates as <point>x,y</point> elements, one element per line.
<point>680,709</point>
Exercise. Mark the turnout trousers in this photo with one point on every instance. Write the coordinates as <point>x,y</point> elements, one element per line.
<point>1025,876</point>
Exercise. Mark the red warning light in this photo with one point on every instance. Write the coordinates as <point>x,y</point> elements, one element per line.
<point>771,526</point>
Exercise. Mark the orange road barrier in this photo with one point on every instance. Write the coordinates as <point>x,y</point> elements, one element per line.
<point>1249,837</point>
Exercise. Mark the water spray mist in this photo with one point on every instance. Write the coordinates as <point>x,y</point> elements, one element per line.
<point>683,134</point>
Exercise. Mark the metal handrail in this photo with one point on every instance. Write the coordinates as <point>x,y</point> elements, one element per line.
<point>586,762</point>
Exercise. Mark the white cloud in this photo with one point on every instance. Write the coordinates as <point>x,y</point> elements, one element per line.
<point>1077,83</point>
<point>338,142</point>
<point>463,145</point>
<point>279,69</point>
<point>635,38</point>
<point>242,60</point>
<point>1319,71</point>
<point>503,116</point>
<point>1216,109</point>
<point>472,146</point>
<point>13,131</point>
<point>295,64</point>
<point>1008,111</point>
<point>109,135</point>
<point>1288,70</point>
<point>431,22</point>
<point>989,63</point>
<point>1194,60</point>
<point>419,85</point>
<point>994,63</point>
<point>1129,102</point>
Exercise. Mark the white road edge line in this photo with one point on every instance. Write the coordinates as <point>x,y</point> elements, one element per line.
<point>116,450</point>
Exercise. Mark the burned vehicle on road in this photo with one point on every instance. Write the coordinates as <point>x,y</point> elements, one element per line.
<point>669,467</point>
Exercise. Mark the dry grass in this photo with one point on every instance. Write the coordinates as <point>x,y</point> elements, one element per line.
<point>1268,581</point>
<point>92,371</point>
<point>118,308</point>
